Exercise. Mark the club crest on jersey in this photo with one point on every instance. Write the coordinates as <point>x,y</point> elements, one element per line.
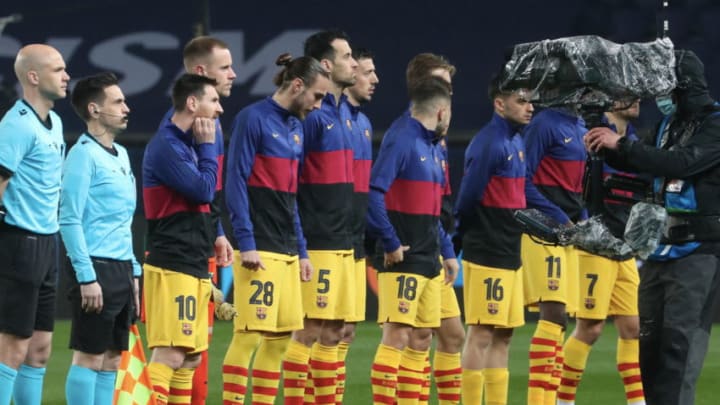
<point>404,307</point>
<point>553,285</point>
<point>187,329</point>
<point>589,303</point>
<point>322,301</point>
<point>348,123</point>
<point>493,308</point>
<point>261,312</point>
<point>296,138</point>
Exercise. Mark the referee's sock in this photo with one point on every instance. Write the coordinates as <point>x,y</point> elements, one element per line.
<point>29,385</point>
<point>105,387</point>
<point>80,386</point>
<point>7,380</point>
<point>235,366</point>
<point>266,368</point>
<point>448,377</point>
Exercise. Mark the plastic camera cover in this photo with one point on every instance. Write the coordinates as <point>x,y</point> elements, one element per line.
<point>592,235</point>
<point>644,228</point>
<point>590,70</point>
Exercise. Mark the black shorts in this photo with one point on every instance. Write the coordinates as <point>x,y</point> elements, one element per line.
<point>28,280</point>
<point>95,333</point>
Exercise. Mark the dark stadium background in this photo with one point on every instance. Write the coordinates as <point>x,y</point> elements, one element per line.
<point>142,40</point>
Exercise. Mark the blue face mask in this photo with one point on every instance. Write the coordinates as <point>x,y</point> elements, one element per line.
<point>665,105</point>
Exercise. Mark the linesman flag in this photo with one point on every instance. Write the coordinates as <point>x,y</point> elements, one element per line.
<point>133,386</point>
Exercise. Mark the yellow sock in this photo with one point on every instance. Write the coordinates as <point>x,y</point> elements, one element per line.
<point>341,370</point>
<point>628,364</point>
<point>448,377</point>
<point>295,372</point>
<point>554,383</point>
<point>576,355</point>
<point>266,369</point>
<point>384,374</point>
<point>497,381</point>
<point>160,376</point>
<point>425,390</point>
<point>472,388</point>
<point>542,359</point>
<point>236,365</point>
<point>410,376</point>
<point>323,366</point>
<point>181,387</point>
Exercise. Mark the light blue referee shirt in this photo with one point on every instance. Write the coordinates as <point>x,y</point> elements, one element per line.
<point>32,154</point>
<point>97,205</point>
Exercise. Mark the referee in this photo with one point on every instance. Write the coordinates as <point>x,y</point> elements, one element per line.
<point>31,154</point>
<point>97,204</point>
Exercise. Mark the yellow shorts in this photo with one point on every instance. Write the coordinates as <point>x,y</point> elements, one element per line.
<point>409,299</point>
<point>176,309</point>
<point>550,274</point>
<point>607,287</point>
<point>360,286</point>
<point>331,292</point>
<point>268,300</point>
<point>493,296</point>
<point>449,306</point>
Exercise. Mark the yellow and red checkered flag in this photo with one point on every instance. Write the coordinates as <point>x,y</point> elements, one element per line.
<point>133,386</point>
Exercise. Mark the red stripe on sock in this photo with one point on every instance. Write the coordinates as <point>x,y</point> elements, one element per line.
<point>383,383</point>
<point>537,384</point>
<point>297,367</point>
<point>448,397</point>
<point>294,383</point>
<point>325,399</point>
<point>323,382</point>
<point>322,365</point>
<point>228,369</point>
<point>627,366</point>
<point>635,394</point>
<point>236,388</point>
<point>381,368</point>
<point>543,342</point>
<point>409,380</point>
<point>408,394</point>
<point>443,373</point>
<point>294,400</point>
<point>383,399</point>
<point>574,370</point>
<point>569,382</point>
<point>565,396</point>
<point>632,379</point>
<point>267,375</point>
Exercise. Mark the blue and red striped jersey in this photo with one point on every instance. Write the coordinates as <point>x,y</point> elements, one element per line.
<point>361,131</point>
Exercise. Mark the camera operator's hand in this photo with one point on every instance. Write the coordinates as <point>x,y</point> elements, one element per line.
<point>601,138</point>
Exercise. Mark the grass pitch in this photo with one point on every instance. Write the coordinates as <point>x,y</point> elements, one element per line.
<point>601,383</point>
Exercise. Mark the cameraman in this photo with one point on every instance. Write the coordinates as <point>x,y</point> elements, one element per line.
<point>679,281</point>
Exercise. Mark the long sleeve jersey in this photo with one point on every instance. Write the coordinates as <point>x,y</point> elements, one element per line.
<point>179,181</point>
<point>97,205</point>
<point>216,206</point>
<point>361,130</point>
<point>492,188</point>
<point>325,192</point>
<point>555,164</point>
<point>31,157</point>
<point>265,150</point>
<point>406,185</point>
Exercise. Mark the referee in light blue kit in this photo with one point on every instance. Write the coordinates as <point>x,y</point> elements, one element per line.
<point>31,154</point>
<point>97,204</point>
